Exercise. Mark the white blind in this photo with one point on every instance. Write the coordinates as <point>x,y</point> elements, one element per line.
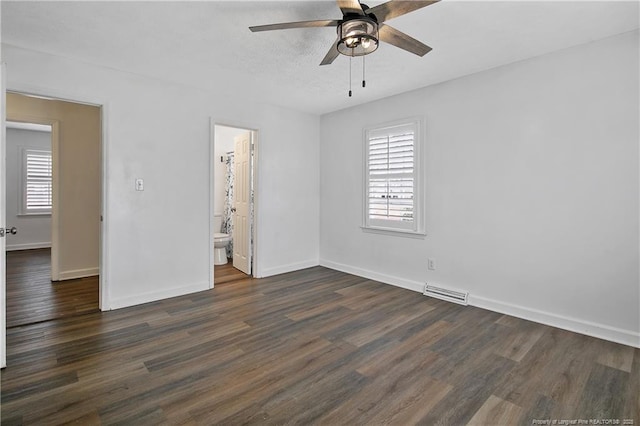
<point>391,173</point>
<point>38,187</point>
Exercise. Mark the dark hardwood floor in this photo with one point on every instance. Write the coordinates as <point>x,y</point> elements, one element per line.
<point>227,273</point>
<point>311,347</point>
<point>32,297</point>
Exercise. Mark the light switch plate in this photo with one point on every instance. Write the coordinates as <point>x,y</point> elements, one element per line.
<point>431,264</point>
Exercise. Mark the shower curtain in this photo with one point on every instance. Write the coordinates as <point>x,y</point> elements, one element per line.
<point>227,218</point>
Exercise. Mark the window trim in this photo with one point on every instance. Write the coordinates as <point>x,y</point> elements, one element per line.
<point>417,230</point>
<point>23,211</point>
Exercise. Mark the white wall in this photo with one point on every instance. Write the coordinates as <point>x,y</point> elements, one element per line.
<point>157,240</point>
<point>34,231</point>
<point>288,190</point>
<point>531,192</point>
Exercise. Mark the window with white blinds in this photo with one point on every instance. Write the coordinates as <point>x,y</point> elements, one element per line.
<point>391,194</point>
<point>36,178</point>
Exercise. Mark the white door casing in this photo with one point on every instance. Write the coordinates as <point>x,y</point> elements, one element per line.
<point>3,203</point>
<point>242,203</point>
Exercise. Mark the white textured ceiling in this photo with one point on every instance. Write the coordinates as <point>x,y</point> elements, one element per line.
<point>207,44</point>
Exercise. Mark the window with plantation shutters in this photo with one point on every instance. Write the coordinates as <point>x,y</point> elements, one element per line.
<point>392,177</point>
<point>37,185</point>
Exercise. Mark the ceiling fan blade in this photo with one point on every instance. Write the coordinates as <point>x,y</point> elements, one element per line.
<point>399,39</point>
<point>301,24</point>
<point>350,6</point>
<point>394,8</point>
<point>332,54</point>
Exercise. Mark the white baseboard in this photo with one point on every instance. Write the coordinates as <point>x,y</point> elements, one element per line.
<point>78,273</point>
<point>154,296</point>
<point>601,331</point>
<point>376,276</point>
<point>286,268</point>
<point>28,246</point>
<point>605,332</point>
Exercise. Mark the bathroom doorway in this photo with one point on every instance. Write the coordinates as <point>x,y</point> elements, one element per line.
<point>233,203</point>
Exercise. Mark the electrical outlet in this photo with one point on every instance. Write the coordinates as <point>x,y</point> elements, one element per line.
<point>431,264</point>
<point>139,185</point>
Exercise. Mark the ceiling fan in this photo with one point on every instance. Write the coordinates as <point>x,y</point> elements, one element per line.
<point>362,27</point>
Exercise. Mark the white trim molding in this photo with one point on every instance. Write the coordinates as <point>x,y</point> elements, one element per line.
<point>283,269</point>
<point>376,276</point>
<point>154,296</point>
<point>78,273</point>
<point>28,246</point>
<point>3,160</point>
<point>29,126</point>
<point>601,331</point>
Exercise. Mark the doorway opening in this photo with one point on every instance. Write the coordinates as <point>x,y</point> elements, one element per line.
<point>233,203</point>
<point>53,199</point>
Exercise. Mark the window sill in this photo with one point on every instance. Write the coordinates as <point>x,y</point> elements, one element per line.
<point>395,232</point>
<point>33,214</point>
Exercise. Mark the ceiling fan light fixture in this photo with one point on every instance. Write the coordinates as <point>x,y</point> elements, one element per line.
<point>357,36</point>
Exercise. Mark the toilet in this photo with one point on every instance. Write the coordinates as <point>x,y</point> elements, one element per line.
<point>220,242</point>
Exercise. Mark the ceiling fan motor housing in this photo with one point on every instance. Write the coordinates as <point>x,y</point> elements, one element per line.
<point>358,35</point>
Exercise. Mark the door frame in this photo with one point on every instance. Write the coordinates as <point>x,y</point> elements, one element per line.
<point>3,257</point>
<point>103,258</point>
<point>254,181</point>
<point>55,182</point>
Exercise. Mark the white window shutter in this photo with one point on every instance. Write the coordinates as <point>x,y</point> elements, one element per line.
<point>37,180</point>
<point>391,177</point>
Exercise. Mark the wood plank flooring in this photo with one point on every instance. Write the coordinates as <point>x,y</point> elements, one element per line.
<point>227,273</point>
<point>32,296</point>
<point>311,347</point>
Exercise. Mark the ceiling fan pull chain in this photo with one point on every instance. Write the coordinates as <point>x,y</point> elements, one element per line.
<point>364,84</point>
<point>350,59</point>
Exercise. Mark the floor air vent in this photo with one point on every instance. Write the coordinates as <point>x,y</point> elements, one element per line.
<point>454,296</point>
